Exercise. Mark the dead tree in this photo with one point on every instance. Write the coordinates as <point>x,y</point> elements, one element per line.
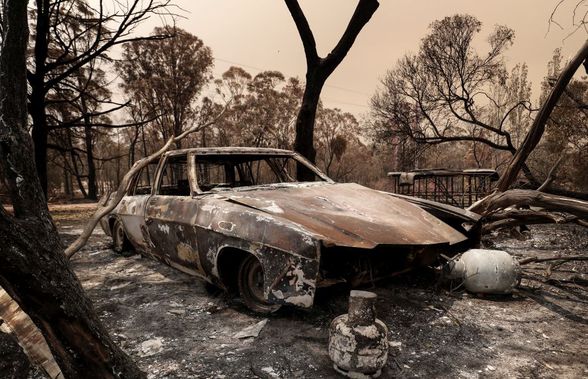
<point>503,198</point>
<point>318,70</point>
<point>66,41</point>
<point>33,268</point>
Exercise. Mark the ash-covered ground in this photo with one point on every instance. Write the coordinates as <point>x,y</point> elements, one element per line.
<point>174,328</point>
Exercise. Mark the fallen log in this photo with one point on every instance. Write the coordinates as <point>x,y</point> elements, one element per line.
<point>500,201</point>
<point>556,258</point>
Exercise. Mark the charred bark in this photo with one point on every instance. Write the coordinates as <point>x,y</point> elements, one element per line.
<point>40,131</point>
<point>318,70</point>
<point>35,272</point>
<point>33,268</point>
<point>304,140</point>
<point>91,166</point>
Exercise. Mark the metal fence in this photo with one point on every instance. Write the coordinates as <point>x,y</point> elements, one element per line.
<point>455,187</point>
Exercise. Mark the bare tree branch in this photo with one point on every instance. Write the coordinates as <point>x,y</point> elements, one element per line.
<point>517,217</point>
<point>549,259</point>
<point>317,72</point>
<point>536,132</point>
<point>363,13</point>
<point>305,32</point>
<point>551,175</point>
<point>112,202</point>
<point>530,198</point>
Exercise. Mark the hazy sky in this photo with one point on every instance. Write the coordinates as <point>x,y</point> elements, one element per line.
<point>260,35</point>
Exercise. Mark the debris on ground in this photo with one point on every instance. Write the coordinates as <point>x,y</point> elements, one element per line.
<point>151,347</point>
<point>252,331</point>
<point>433,332</point>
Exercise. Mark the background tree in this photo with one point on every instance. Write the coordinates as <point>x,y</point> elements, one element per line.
<point>447,92</point>
<point>504,205</point>
<point>75,112</point>
<point>68,35</point>
<point>165,77</point>
<point>565,132</point>
<point>33,268</point>
<point>318,70</point>
<point>263,110</point>
<point>336,132</point>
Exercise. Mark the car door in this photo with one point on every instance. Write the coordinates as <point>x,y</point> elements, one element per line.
<point>170,215</point>
<point>131,210</point>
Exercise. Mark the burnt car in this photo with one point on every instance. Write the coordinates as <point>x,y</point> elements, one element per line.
<point>239,219</point>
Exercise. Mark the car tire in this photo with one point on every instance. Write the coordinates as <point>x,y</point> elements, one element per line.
<point>250,282</point>
<point>120,242</point>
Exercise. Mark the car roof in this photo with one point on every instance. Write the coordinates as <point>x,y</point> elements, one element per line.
<point>231,151</point>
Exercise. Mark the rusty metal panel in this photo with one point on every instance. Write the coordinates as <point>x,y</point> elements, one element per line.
<point>351,215</point>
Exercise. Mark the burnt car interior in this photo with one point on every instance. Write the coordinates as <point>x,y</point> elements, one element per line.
<point>221,172</point>
<point>217,173</point>
<point>142,184</point>
<point>174,177</point>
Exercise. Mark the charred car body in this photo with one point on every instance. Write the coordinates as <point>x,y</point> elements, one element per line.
<point>238,218</point>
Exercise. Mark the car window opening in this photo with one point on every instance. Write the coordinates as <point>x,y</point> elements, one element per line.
<point>174,179</point>
<point>217,172</point>
<point>143,180</point>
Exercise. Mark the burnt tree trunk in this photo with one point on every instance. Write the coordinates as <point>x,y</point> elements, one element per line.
<point>36,274</point>
<point>40,135</point>
<point>89,143</point>
<point>303,143</point>
<point>40,130</point>
<point>33,267</point>
<point>318,70</point>
<point>92,187</point>
<point>73,155</point>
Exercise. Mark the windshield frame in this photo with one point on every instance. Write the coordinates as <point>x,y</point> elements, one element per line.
<point>193,163</point>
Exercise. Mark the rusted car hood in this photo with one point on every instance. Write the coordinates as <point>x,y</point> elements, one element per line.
<point>350,215</point>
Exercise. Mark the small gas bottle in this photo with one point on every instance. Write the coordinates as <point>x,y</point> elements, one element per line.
<point>358,342</point>
<point>485,271</point>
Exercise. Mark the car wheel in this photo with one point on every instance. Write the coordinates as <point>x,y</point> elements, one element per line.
<point>250,281</point>
<point>120,243</point>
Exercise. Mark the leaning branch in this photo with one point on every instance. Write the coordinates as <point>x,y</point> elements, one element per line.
<point>516,217</point>
<point>531,198</point>
<point>536,132</point>
<point>551,175</point>
<point>503,200</point>
<point>113,201</point>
